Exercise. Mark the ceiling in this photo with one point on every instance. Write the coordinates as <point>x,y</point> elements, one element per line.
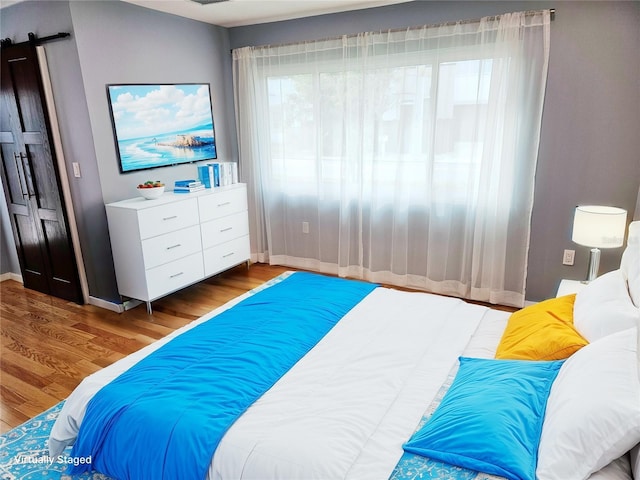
<point>234,13</point>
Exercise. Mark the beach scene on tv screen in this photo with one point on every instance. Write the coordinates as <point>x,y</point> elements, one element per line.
<point>158,125</point>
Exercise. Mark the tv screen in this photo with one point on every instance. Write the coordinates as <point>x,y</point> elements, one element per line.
<point>160,125</point>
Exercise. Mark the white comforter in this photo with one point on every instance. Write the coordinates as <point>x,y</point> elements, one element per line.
<point>346,408</point>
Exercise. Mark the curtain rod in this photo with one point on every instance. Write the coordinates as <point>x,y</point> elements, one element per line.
<point>552,14</point>
<point>33,39</point>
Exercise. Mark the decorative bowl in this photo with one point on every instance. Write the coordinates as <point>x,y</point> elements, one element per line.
<point>151,193</point>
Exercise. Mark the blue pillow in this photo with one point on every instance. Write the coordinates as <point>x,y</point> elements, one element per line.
<point>491,418</point>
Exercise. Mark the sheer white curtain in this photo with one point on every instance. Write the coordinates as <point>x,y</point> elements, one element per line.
<point>404,157</point>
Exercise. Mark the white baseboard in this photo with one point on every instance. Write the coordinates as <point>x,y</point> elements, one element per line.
<point>114,307</point>
<point>99,302</point>
<point>11,276</point>
<point>129,304</point>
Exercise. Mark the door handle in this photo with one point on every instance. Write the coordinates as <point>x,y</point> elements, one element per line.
<point>28,181</point>
<point>19,167</point>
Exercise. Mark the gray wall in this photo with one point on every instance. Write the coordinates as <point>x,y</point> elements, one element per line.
<point>590,129</point>
<point>589,145</point>
<point>115,42</point>
<point>8,256</point>
<point>123,43</point>
<point>46,18</point>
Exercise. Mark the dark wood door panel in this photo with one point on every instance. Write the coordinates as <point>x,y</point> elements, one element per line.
<point>31,180</point>
<point>61,263</point>
<point>42,186</point>
<point>29,253</point>
<point>25,77</point>
<point>22,210</point>
<point>52,216</point>
<point>16,187</point>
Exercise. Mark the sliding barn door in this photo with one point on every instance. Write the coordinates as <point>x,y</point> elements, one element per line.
<point>31,181</point>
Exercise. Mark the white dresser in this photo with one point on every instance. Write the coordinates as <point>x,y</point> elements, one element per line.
<point>160,246</point>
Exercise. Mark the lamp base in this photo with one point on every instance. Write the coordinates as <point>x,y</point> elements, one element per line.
<point>594,265</point>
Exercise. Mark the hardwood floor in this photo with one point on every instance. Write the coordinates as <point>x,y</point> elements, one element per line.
<point>48,345</point>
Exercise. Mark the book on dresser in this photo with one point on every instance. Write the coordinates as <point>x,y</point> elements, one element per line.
<point>218,174</point>
<point>177,240</point>
<point>187,186</point>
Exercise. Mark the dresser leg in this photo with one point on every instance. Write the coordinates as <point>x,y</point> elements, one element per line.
<point>149,312</point>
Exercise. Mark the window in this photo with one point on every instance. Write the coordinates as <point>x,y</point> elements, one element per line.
<point>411,154</point>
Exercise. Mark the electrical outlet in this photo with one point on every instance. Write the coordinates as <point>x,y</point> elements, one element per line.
<point>305,227</point>
<point>76,169</point>
<point>568,257</point>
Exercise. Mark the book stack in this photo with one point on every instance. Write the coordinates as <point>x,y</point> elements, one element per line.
<point>187,186</point>
<point>218,174</point>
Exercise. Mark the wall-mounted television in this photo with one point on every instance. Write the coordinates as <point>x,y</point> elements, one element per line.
<point>157,125</point>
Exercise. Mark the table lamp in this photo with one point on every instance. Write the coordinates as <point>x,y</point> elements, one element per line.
<point>598,227</point>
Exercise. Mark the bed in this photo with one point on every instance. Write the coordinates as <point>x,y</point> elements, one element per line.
<point>383,392</point>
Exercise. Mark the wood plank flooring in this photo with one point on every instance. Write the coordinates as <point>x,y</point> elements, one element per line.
<point>48,345</point>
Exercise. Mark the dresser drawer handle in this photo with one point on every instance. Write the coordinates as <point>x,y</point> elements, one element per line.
<point>228,255</point>
<point>226,229</point>
<point>174,246</point>
<point>176,275</point>
<point>224,204</point>
<point>170,218</point>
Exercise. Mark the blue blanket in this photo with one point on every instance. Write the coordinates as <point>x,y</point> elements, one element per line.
<point>164,417</point>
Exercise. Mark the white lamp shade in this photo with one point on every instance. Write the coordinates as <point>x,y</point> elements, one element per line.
<point>599,227</point>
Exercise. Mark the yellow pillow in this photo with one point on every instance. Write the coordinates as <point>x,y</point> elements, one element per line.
<point>543,331</point>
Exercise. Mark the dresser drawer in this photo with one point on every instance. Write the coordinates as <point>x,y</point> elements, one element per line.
<point>224,229</point>
<point>171,246</point>
<point>167,218</point>
<point>226,255</point>
<point>220,204</point>
<point>157,244</point>
<point>175,275</point>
